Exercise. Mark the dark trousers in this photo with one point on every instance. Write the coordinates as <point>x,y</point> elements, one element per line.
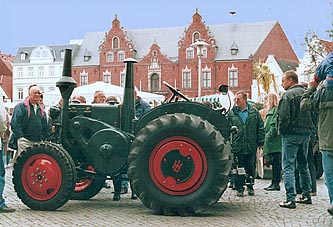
<point>276,167</point>
<point>312,169</point>
<point>248,161</point>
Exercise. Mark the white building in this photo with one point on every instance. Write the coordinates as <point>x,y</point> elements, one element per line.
<point>40,65</point>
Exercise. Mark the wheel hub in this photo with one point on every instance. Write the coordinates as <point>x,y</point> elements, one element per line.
<point>178,165</point>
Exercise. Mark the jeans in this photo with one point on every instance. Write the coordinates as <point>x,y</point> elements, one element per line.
<point>294,155</point>
<point>327,160</point>
<point>2,180</point>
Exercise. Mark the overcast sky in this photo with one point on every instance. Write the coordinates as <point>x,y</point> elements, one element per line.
<point>55,22</point>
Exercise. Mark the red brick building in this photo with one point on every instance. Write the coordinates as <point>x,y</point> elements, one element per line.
<point>167,54</point>
<point>6,75</point>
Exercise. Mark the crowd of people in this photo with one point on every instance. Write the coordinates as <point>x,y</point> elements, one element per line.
<point>287,129</point>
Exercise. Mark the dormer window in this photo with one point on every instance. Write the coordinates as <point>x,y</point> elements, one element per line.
<point>234,48</point>
<point>23,56</point>
<point>87,55</point>
<point>62,54</point>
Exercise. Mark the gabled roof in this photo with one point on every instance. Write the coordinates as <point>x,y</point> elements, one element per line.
<point>247,36</point>
<point>8,60</point>
<point>287,65</point>
<point>166,38</point>
<point>56,48</point>
<point>91,43</point>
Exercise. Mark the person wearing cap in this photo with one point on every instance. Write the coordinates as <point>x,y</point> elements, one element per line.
<point>320,99</point>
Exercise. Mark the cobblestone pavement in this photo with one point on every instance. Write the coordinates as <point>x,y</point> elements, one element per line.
<point>259,210</point>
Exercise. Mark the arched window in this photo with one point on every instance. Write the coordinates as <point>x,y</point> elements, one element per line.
<point>155,82</point>
<point>115,43</point>
<point>196,36</point>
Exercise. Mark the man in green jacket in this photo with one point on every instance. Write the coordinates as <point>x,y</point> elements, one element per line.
<point>245,143</point>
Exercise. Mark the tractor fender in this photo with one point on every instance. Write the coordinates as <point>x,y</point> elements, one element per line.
<point>216,118</point>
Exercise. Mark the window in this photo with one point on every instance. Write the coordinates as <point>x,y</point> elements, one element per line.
<point>19,72</point>
<point>45,54</point>
<point>107,77</point>
<point>154,64</point>
<point>51,71</point>
<point>186,79</point>
<point>154,82</point>
<point>109,57</point>
<point>154,53</point>
<point>115,43</point>
<point>204,52</point>
<point>23,56</point>
<point>206,78</point>
<point>122,79</point>
<point>41,71</point>
<point>83,78</point>
<point>196,37</point>
<point>189,53</point>
<point>20,93</point>
<point>233,77</point>
<point>62,54</point>
<point>37,54</point>
<point>31,72</point>
<point>121,56</point>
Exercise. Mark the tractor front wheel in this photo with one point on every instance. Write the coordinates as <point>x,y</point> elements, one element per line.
<point>44,176</point>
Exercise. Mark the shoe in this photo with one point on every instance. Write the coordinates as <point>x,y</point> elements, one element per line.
<point>124,190</point>
<point>107,185</point>
<point>116,197</point>
<point>250,191</point>
<point>288,204</point>
<point>273,187</point>
<point>304,200</point>
<point>330,210</point>
<point>134,196</point>
<point>240,193</point>
<point>6,209</point>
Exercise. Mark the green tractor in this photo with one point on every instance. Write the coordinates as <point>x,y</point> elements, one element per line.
<point>178,155</point>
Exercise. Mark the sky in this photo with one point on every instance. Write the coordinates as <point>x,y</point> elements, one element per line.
<point>56,22</point>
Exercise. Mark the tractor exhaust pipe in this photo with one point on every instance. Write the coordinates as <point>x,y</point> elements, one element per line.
<point>66,85</point>
<point>128,108</point>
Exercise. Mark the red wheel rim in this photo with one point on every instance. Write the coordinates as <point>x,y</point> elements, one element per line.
<point>83,184</point>
<point>178,165</point>
<point>41,177</point>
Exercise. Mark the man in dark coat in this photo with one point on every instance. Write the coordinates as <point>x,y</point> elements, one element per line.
<point>295,127</point>
<point>29,121</point>
<point>250,136</point>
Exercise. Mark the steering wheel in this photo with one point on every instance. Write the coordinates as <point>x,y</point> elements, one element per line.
<point>176,92</point>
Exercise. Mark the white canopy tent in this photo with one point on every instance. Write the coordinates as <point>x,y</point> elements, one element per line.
<point>109,89</point>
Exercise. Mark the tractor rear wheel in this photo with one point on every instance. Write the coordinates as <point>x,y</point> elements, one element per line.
<point>44,176</point>
<point>88,186</point>
<point>179,165</point>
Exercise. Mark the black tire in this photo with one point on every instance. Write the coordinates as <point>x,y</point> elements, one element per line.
<point>44,176</point>
<point>89,186</point>
<point>195,148</point>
